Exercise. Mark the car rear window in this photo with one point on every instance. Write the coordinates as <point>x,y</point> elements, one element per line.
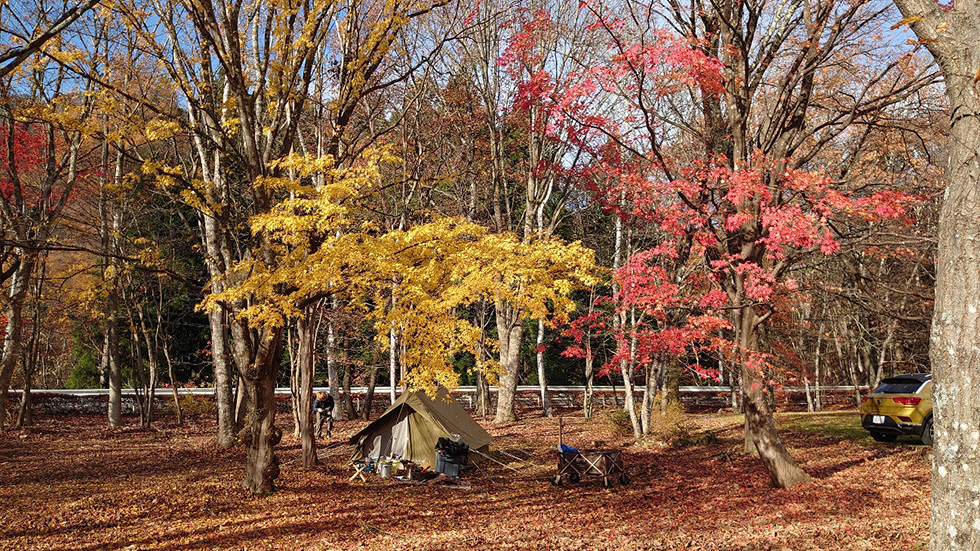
<point>898,386</point>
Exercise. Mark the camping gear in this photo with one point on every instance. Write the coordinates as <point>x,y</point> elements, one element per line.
<point>384,469</point>
<point>450,456</point>
<point>605,463</point>
<point>361,467</point>
<point>448,464</point>
<point>412,426</point>
<point>450,447</point>
<point>573,464</point>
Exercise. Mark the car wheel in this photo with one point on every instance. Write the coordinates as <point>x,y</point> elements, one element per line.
<point>881,437</point>
<point>927,433</point>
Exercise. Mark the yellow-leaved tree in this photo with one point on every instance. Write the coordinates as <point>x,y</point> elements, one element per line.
<point>441,266</point>
<point>246,71</point>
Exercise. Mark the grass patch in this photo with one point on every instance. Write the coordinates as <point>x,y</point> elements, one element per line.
<point>845,425</point>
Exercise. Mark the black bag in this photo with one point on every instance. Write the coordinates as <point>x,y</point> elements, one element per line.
<point>451,447</point>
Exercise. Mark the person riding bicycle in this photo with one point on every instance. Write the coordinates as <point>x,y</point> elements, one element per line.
<point>323,407</point>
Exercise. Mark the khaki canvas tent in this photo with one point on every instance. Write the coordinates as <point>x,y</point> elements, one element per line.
<point>413,424</point>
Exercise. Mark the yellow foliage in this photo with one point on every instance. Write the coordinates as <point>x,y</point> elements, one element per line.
<point>414,281</point>
<point>158,129</point>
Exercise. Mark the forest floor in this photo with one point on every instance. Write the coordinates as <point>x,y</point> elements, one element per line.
<point>72,483</point>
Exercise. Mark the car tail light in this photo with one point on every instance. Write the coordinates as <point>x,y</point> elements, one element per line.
<point>908,401</point>
<point>864,399</point>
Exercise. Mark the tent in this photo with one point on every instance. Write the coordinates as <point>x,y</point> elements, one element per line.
<point>413,424</point>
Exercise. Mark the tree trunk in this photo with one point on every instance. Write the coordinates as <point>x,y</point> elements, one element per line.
<point>846,361</point>
<point>13,342</point>
<point>173,382</point>
<point>736,385</point>
<point>649,397</point>
<point>153,367</point>
<point>25,415</point>
<point>115,367</point>
<point>882,353</point>
<point>809,395</point>
<point>369,396</point>
<point>482,385</point>
<point>761,436</point>
<point>953,37</point>
<point>392,365</point>
<point>619,325</point>
<point>260,435</point>
<point>241,404</point>
<point>332,373</point>
<point>612,383</point>
<point>294,383</point>
<point>509,331</point>
<point>306,340</point>
<point>113,281</point>
<point>669,388</point>
<point>626,368</point>
<point>954,355</point>
<point>224,394</point>
<point>817,399</point>
<point>542,380</point>
<point>589,376</point>
<point>294,399</point>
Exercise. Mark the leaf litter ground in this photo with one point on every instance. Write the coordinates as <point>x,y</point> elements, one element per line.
<point>72,483</point>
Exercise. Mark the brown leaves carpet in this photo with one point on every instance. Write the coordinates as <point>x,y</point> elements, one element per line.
<point>72,483</point>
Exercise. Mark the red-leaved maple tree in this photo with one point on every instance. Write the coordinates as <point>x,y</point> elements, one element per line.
<point>736,200</point>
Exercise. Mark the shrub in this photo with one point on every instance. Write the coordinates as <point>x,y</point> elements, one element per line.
<point>620,420</point>
<point>191,404</point>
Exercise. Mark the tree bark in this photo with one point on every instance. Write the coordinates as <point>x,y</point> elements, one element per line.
<point>649,392</point>
<point>115,367</point>
<point>542,379</point>
<point>173,382</point>
<point>13,342</point>
<point>260,435</point>
<point>482,385</point>
<point>589,376</point>
<point>509,333</point>
<point>817,399</point>
<point>306,337</point>
<point>761,436</point>
<point>369,396</point>
<point>953,38</point>
<point>332,374</point>
<point>294,383</point>
<point>25,417</point>
<point>224,393</point>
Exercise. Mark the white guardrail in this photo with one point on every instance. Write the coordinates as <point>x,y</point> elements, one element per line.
<point>383,390</point>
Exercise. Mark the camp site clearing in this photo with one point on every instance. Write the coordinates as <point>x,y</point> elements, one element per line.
<point>71,483</point>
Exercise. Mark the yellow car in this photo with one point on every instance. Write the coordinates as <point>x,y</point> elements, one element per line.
<point>900,405</point>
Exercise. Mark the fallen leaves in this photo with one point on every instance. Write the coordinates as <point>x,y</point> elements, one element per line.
<point>74,484</point>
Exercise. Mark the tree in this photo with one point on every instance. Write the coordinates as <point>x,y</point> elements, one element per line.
<point>34,39</point>
<point>733,171</point>
<point>40,165</point>
<point>950,32</point>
